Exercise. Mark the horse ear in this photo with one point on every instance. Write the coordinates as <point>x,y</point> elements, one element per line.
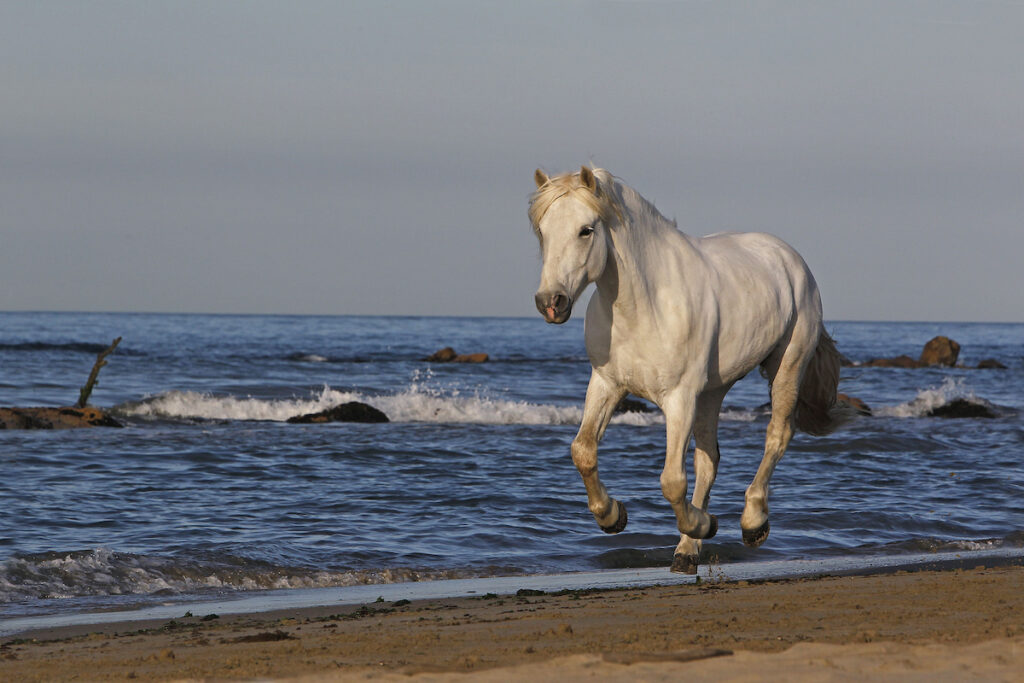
<point>588,179</point>
<point>540,178</point>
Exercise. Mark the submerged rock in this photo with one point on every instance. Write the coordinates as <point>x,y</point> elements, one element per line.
<point>991,364</point>
<point>961,407</point>
<point>352,411</point>
<point>55,418</point>
<point>448,355</point>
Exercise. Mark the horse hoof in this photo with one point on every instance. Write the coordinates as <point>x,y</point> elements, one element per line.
<point>713,529</point>
<point>684,564</point>
<point>620,523</point>
<point>757,536</point>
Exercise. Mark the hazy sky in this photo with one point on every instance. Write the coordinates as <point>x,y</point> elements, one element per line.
<point>377,157</point>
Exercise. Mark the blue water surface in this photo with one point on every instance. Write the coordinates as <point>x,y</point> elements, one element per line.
<point>207,490</point>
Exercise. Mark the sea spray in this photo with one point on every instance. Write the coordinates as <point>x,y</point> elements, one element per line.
<point>927,400</point>
<point>419,402</point>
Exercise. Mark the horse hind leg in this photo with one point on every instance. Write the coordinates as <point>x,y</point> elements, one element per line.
<point>784,376</point>
<point>706,455</point>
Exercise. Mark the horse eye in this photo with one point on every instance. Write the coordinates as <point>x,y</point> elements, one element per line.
<point>586,230</point>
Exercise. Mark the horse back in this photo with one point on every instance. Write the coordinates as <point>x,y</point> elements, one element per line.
<point>764,292</point>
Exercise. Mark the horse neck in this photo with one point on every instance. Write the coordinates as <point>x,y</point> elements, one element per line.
<point>637,244</point>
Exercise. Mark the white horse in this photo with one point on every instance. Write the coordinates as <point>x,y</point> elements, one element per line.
<point>678,320</point>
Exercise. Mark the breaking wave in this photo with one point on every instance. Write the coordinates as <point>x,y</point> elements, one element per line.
<point>417,403</point>
<point>104,572</point>
<point>928,400</point>
<point>422,403</point>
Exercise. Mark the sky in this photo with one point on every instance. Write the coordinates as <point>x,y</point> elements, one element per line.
<point>377,157</point>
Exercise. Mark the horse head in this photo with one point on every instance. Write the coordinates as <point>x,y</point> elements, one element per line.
<point>570,215</point>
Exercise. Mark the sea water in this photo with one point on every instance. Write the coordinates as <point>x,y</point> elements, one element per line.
<point>207,492</point>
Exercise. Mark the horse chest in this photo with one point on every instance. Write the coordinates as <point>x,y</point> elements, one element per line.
<point>644,368</point>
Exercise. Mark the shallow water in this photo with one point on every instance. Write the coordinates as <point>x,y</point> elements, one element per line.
<point>207,492</point>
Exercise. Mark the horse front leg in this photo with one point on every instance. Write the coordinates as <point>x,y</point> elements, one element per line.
<point>692,521</point>
<point>686,558</point>
<point>602,397</point>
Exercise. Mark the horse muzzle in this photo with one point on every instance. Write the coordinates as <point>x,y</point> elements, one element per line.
<point>555,307</point>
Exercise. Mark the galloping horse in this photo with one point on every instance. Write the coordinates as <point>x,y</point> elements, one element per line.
<point>678,320</point>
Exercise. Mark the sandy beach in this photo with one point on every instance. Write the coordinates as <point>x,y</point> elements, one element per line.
<point>934,625</point>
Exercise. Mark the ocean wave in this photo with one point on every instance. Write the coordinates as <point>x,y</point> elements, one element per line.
<point>104,572</point>
<point>417,403</point>
<point>928,400</point>
<point>203,406</point>
<point>936,545</point>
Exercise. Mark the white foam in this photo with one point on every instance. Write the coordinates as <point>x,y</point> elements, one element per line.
<point>417,403</point>
<point>104,572</point>
<point>193,404</point>
<point>928,400</point>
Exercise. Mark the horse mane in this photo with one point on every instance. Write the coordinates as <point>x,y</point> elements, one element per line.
<point>610,202</point>
<point>604,202</point>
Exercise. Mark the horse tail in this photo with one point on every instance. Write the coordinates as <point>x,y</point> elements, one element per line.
<point>817,411</point>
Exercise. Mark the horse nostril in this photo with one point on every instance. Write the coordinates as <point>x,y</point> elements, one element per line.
<point>558,301</point>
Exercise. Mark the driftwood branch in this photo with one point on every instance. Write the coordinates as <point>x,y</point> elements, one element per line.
<point>83,395</point>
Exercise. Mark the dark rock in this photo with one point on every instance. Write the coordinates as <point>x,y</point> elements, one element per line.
<point>471,358</point>
<point>960,407</point>
<point>55,418</point>
<point>991,364</point>
<point>445,355</point>
<point>448,355</point>
<point>855,403</point>
<point>346,412</point>
<point>897,362</point>
<point>940,351</point>
<point>631,405</point>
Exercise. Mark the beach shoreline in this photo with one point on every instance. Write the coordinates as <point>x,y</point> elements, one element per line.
<point>259,601</point>
<point>956,620</point>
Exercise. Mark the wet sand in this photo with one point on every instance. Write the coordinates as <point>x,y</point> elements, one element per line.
<point>934,625</point>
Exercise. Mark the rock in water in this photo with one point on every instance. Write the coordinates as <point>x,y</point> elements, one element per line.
<point>55,418</point>
<point>471,358</point>
<point>991,364</point>
<point>445,355</point>
<point>940,351</point>
<point>897,362</point>
<point>352,411</point>
<point>448,355</point>
<point>960,407</point>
